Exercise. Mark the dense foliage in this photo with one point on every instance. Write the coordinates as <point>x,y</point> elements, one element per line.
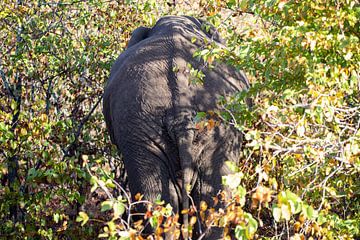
<point>298,177</point>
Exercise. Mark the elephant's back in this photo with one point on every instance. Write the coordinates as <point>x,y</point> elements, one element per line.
<point>140,76</point>
<point>150,81</point>
<point>155,72</point>
<point>138,92</point>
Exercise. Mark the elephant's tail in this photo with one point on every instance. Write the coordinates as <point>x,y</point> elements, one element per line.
<point>189,174</point>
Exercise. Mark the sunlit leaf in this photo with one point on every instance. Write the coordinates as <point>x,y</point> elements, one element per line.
<point>83,218</point>
<point>107,205</point>
<point>276,212</point>
<point>119,209</point>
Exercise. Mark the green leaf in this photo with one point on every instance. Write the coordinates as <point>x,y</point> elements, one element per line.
<point>167,211</point>
<point>94,183</point>
<point>243,5</point>
<point>13,105</point>
<point>231,4</point>
<point>241,192</point>
<point>109,183</point>
<point>112,226</point>
<point>252,225</point>
<point>294,201</point>
<point>119,209</point>
<point>32,173</point>
<point>233,167</point>
<point>321,219</point>
<point>56,217</point>
<point>233,180</point>
<point>288,93</point>
<point>153,221</point>
<point>106,205</point>
<point>3,127</point>
<point>199,116</point>
<point>240,232</point>
<point>83,218</point>
<point>309,212</point>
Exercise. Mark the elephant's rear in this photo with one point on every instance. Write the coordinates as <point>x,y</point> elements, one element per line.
<point>137,100</point>
<point>149,108</point>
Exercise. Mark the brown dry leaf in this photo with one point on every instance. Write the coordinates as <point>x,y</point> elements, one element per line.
<point>192,211</point>
<point>297,226</point>
<point>216,200</point>
<point>202,216</point>
<point>210,59</point>
<point>262,196</point>
<point>301,218</point>
<point>148,214</point>
<point>176,218</point>
<point>138,197</point>
<point>211,124</point>
<point>158,232</point>
<point>138,224</point>
<point>168,222</point>
<point>137,238</point>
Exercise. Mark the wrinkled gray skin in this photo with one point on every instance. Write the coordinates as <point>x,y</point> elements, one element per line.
<point>149,110</point>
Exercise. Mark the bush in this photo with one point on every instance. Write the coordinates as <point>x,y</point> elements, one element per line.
<point>298,178</point>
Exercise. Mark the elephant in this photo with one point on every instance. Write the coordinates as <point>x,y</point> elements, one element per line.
<point>150,105</point>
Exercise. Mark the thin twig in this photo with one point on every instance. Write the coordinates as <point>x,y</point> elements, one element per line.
<point>82,123</point>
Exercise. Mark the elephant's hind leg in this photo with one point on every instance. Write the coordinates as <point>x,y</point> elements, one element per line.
<point>149,175</point>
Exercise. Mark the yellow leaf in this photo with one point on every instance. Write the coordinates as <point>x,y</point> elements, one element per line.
<point>138,197</point>
<point>83,218</point>
<point>297,226</point>
<point>203,206</point>
<point>192,220</point>
<point>43,117</point>
<point>23,132</point>
<point>185,211</point>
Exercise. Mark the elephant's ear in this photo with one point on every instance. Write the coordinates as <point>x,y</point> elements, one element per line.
<point>138,35</point>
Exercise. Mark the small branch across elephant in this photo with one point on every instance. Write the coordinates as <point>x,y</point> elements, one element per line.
<point>149,110</point>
